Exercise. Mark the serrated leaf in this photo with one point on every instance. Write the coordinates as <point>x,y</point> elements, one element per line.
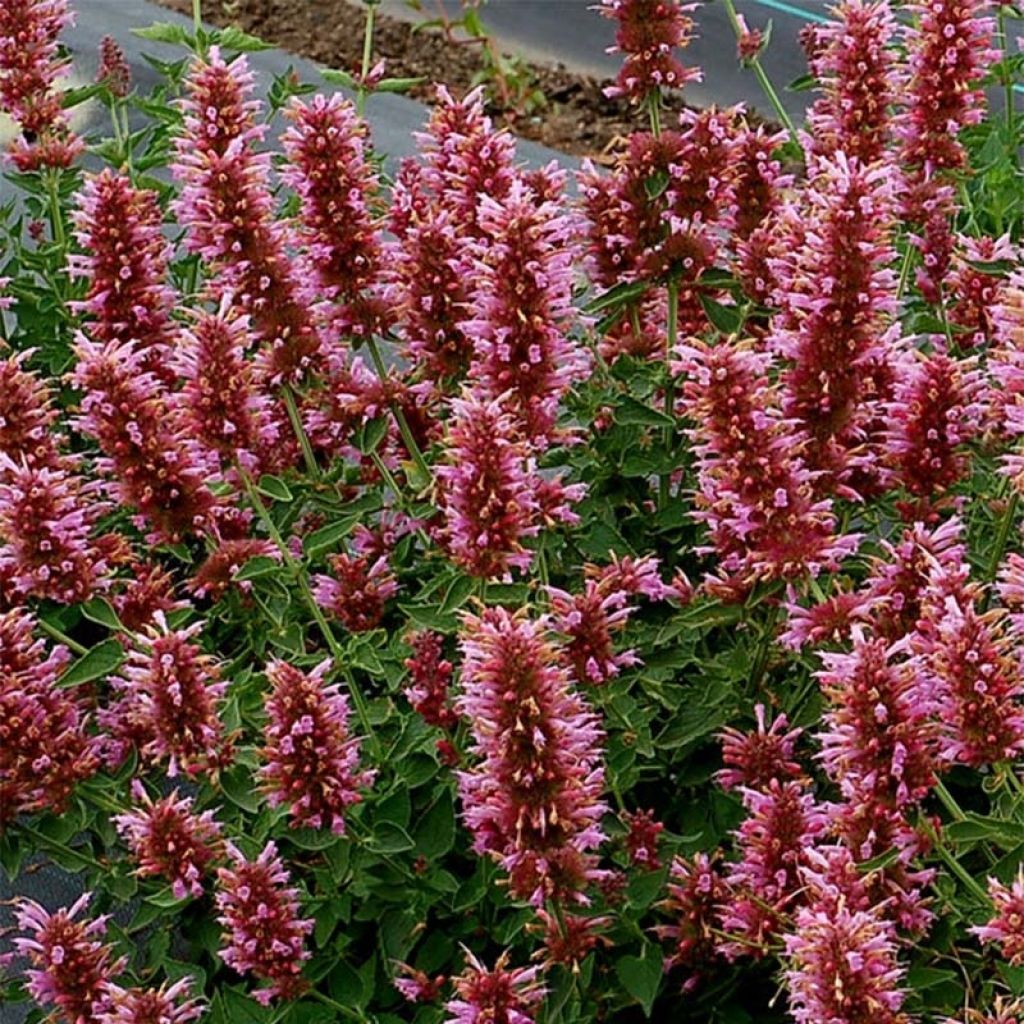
<point>620,295</point>
<point>370,436</point>
<point>233,38</point>
<point>398,84</point>
<point>102,660</point>
<point>165,32</point>
<point>339,77</point>
<point>458,594</point>
<point>100,611</point>
<point>274,487</point>
<point>390,838</point>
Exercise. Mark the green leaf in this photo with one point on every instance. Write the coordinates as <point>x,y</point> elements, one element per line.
<point>233,38</point>
<point>728,319</point>
<point>238,787</point>
<point>261,565</point>
<point>73,97</point>
<point>630,411</point>
<point>390,838</point>
<point>100,610</point>
<point>338,77</point>
<point>620,295</point>
<point>435,835</point>
<point>458,594</point>
<point>274,487</point>
<point>655,184</point>
<point>398,84</point>
<point>165,32</point>
<point>370,436</point>
<point>802,84</point>
<point>641,976</point>
<point>323,540</point>
<point>101,661</point>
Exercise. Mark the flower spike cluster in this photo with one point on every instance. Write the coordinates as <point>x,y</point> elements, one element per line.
<point>71,965</point>
<point>648,33</point>
<point>169,840</point>
<point>266,936</point>
<point>228,210</point>
<point>533,800</point>
<point>500,994</point>
<point>1006,928</point>
<point>310,758</point>
<point>168,1004</point>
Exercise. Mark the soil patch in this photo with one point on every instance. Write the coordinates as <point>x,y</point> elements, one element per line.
<point>575,116</point>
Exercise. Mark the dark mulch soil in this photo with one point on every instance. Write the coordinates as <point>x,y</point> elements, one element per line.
<point>576,118</point>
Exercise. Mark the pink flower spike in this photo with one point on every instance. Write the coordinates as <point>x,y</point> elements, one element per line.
<point>533,799</point>
<point>501,994</point>
<point>169,840</point>
<point>1006,927</point>
<point>356,591</point>
<point>753,759</point>
<point>264,931</point>
<point>164,1005</point>
<point>647,34</point>
<point>71,965</point>
<point>310,759</point>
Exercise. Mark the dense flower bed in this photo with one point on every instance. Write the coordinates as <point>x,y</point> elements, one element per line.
<point>455,593</point>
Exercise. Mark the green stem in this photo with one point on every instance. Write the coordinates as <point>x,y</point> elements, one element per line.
<point>955,866</point>
<point>1002,536</point>
<point>654,109</point>
<point>762,77</point>
<point>307,449</point>
<point>371,10</point>
<point>62,637</point>
<point>1011,112</point>
<point>764,649</point>
<point>948,801</point>
<point>362,710</point>
<point>56,213</point>
<point>670,390</point>
<point>403,424</point>
<point>197,15</point>
<point>62,848</point>
<point>345,1011</point>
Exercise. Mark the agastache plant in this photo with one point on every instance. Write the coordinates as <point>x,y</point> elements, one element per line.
<point>449,585</point>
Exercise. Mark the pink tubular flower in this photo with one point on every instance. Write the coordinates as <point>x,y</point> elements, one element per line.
<point>425,281</point>
<point>264,932</point>
<point>328,167</point>
<point>879,735</point>
<point>756,494</point>
<point>44,747</point>
<point>417,986</point>
<point>47,518</point>
<point>696,896</point>
<point>310,758</point>
<point>169,840</point>
<point>949,46</point>
<point>30,73</point>
<point>168,696</point>
<point>936,411</point>
<point>157,471</point>
<point>1006,928</point>
<point>125,262</point>
<point>828,621</point>
<point>784,823</point>
<point>71,966</point>
<point>522,306</point>
<point>356,591</point>
<point>149,590</point>
<point>754,759</point>
<point>1003,1011</point>
<point>501,995</point>
<point>533,800</point>
<point>430,675</point>
<point>165,1005</point>
<point>843,966</point>
<point>464,158</point>
<point>590,621</point>
<point>227,209</point>
<point>898,586</point>
<point>221,406</point>
<point>856,67</point>
<point>217,574</point>
<point>114,71</point>
<point>27,415</point>
<point>648,32</point>
<point>487,487</point>
<point>976,678</point>
<point>837,294</point>
<point>974,290</point>
<point>642,839</point>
